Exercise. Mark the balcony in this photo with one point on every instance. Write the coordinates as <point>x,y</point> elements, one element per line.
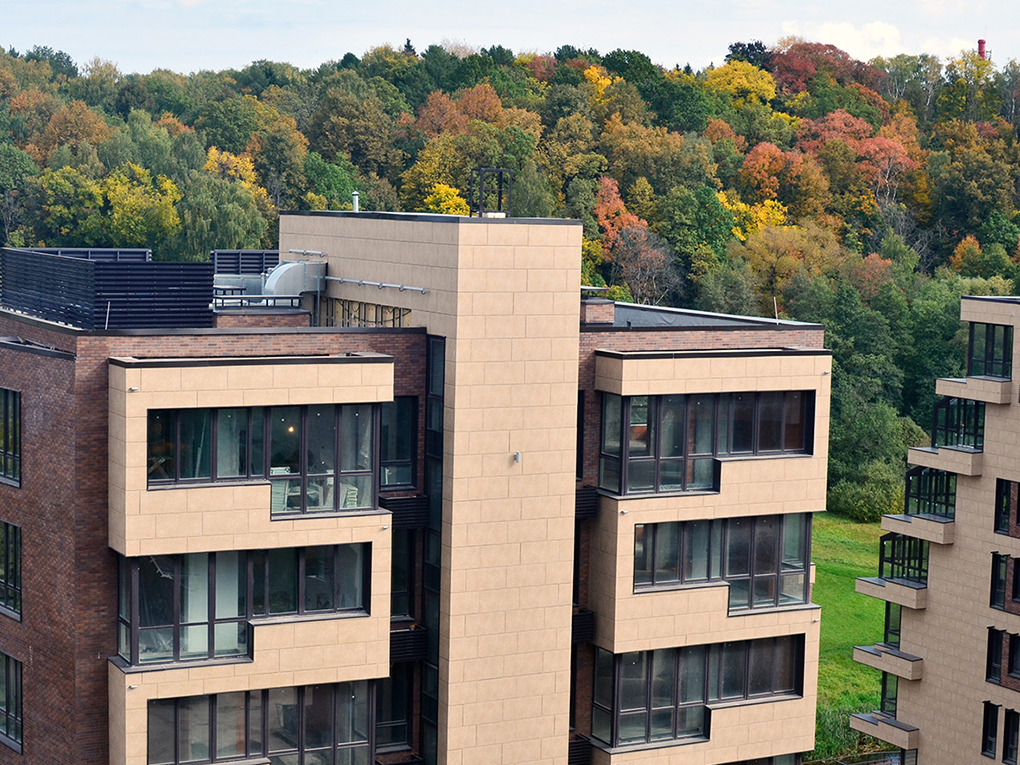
<point>888,659</point>
<point>990,390</point>
<point>960,460</point>
<point>902,573</point>
<point>886,728</point>
<point>934,529</point>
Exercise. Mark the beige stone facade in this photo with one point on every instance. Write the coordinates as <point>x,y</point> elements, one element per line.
<point>500,609</point>
<point>956,691</point>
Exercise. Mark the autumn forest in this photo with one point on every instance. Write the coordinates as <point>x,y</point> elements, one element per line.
<point>793,178</point>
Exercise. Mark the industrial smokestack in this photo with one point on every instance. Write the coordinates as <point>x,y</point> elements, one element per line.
<point>981,49</point>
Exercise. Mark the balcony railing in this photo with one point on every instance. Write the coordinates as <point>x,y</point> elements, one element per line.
<point>959,422</point>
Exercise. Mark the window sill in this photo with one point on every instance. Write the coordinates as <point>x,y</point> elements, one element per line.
<point>16,483</point>
<point>294,516</point>
<point>205,483</point>
<point>321,616</point>
<point>15,615</point>
<point>754,701</point>
<point>621,748</point>
<point>10,742</point>
<point>131,669</point>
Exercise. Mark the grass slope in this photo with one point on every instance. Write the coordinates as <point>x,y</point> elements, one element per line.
<point>842,551</point>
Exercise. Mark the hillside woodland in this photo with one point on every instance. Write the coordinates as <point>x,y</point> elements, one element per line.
<point>794,179</point>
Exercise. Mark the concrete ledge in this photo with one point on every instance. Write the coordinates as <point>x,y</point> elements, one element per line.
<point>887,729</point>
<point>915,598</point>
<point>934,529</point>
<point>953,459</point>
<point>886,659</point>
<point>991,390</point>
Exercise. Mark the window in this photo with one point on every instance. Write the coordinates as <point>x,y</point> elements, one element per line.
<point>10,702</point>
<point>764,559</point>
<point>402,574</point>
<point>903,558</point>
<point>1000,564</point>
<point>1010,734</point>
<point>890,686</point>
<point>1007,498</point>
<point>198,606</point>
<point>959,422</point>
<point>310,724</point>
<point>394,708</point>
<point>10,569</point>
<point>930,492</point>
<point>10,436</point>
<point>318,458</point>
<point>989,729</point>
<point>990,352</point>
<point>398,441</point>
<point>670,443</point>
<point>1013,668</point>
<point>648,696</point>
<point>993,659</point>
<point>893,620</point>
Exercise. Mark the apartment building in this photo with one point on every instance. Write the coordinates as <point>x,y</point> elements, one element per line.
<point>950,652</point>
<point>415,496</point>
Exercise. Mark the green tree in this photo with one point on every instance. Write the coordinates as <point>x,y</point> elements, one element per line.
<point>16,173</point>
<point>216,214</point>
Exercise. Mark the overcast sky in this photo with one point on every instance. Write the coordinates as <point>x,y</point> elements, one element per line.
<point>189,35</point>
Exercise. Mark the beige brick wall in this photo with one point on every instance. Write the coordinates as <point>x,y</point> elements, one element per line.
<point>218,516</point>
<point>505,294</point>
<point>950,634</point>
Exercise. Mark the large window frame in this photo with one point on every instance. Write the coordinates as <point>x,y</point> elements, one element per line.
<point>764,559</point>
<point>1010,736</point>
<point>990,351</point>
<point>646,697</point>
<point>989,729</point>
<point>993,655</point>
<point>177,609</point>
<point>11,699</point>
<point>319,458</point>
<point>893,624</point>
<point>292,724</point>
<point>394,711</point>
<point>671,443</point>
<point>398,443</point>
<point>890,692</point>
<point>10,570</point>
<point>930,492</point>
<point>903,558</point>
<point>1007,501</point>
<point>1000,568</point>
<point>959,423</point>
<point>10,437</point>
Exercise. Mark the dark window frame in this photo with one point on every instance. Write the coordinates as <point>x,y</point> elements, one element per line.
<point>410,438</point>
<point>1013,656</point>
<point>1007,501</point>
<point>993,655</point>
<point>260,723</point>
<point>709,663</point>
<point>649,420</point>
<point>385,686</point>
<point>11,702</point>
<point>903,558</point>
<point>989,729</point>
<point>889,694</point>
<point>893,624</point>
<point>10,437</point>
<point>129,611</point>
<point>930,492</point>
<point>997,596</point>
<point>958,422</point>
<point>720,559</point>
<point>10,570</point>
<point>1010,736</point>
<point>990,350</point>
<point>258,457</point>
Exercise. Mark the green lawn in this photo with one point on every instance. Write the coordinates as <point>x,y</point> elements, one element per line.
<point>842,551</point>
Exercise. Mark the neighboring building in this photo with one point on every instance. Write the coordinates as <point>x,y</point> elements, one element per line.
<point>950,654</point>
<point>467,517</point>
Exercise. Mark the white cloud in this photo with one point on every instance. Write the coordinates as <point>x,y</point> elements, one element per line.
<point>948,47</point>
<point>875,38</point>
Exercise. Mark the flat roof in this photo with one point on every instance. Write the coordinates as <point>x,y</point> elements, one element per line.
<point>635,315</point>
